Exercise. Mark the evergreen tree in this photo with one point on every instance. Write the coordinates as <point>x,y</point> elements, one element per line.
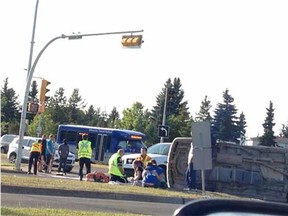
<point>224,126</point>
<point>57,107</point>
<point>268,138</point>
<point>9,104</point>
<point>34,91</point>
<point>204,113</point>
<point>75,108</point>
<point>241,125</point>
<point>113,118</point>
<point>176,109</point>
<point>89,116</point>
<point>284,130</point>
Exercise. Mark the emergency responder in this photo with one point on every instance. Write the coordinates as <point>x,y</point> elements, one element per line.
<point>116,170</point>
<point>84,155</point>
<point>35,153</point>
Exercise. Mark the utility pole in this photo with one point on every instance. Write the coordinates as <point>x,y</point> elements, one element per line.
<point>164,112</point>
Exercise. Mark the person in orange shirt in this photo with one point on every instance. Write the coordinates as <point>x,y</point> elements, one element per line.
<point>144,158</point>
<point>35,153</point>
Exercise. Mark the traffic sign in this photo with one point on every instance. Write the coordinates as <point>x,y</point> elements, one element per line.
<point>163,131</point>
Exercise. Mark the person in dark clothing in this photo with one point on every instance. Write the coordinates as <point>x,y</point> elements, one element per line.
<point>42,162</point>
<point>34,156</point>
<point>63,153</point>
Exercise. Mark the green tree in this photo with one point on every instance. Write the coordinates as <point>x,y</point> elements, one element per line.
<point>225,123</point>
<point>113,118</point>
<point>45,121</point>
<point>284,130</point>
<point>177,114</point>
<point>75,108</point>
<point>204,113</point>
<point>34,91</point>
<point>57,107</point>
<point>241,125</point>
<point>9,104</point>
<point>268,138</point>
<point>134,118</point>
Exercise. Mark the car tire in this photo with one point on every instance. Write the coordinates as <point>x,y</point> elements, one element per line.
<point>3,150</point>
<point>12,157</point>
<point>68,169</point>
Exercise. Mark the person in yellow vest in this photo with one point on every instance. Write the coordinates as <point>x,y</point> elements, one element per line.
<point>144,158</point>
<point>84,155</point>
<point>116,170</point>
<point>35,153</point>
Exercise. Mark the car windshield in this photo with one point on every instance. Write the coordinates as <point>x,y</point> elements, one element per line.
<point>159,148</point>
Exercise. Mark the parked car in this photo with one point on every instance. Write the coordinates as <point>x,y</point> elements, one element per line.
<point>26,146</point>
<point>158,152</point>
<point>5,141</point>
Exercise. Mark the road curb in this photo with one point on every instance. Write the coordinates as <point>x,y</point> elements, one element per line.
<point>91,194</point>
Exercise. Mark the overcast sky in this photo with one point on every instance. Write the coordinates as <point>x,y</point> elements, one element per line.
<point>210,45</point>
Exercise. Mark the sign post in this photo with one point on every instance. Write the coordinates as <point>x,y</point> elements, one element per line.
<point>202,153</point>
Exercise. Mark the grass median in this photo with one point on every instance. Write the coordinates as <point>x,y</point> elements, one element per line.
<point>68,184</point>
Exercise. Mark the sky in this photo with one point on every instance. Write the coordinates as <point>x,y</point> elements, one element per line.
<point>211,46</point>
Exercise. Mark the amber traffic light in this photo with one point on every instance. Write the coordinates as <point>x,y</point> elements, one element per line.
<point>132,41</point>
<point>44,90</point>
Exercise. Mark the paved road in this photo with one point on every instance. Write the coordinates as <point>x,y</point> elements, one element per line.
<point>76,203</point>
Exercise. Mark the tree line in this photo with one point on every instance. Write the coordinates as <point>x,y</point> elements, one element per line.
<point>226,124</point>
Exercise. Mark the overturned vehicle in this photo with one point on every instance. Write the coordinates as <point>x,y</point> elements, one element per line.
<point>250,171</point>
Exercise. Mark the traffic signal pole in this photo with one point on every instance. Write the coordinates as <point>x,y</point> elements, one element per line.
<point>29,79</point>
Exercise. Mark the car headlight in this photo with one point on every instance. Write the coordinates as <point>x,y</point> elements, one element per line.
<point>130,161</point>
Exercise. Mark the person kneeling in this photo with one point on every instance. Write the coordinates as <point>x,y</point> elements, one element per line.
<point>116,170</point>
<point>151,178</point>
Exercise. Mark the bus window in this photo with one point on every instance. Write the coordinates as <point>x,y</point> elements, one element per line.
<point>131,146</point>
<point>71,136</point>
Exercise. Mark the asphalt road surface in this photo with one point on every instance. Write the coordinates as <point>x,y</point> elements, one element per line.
<point>75,203</point>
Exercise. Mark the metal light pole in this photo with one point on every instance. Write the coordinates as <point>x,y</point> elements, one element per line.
<point>29,78</point>
<point>32,40</point>
<point>164,111</point>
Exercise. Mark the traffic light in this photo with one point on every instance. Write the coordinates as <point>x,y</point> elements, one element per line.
<point>132,41</point>
<point>44,90</point>
<point>32,107</point>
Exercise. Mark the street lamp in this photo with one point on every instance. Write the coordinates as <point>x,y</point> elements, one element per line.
<point>30,75</point>
<point>164,110</point>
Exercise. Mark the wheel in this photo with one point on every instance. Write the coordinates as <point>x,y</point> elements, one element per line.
<point>12,157</point>
<point>68,169</point>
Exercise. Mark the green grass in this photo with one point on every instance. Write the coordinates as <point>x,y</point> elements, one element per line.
<point>64,212</point>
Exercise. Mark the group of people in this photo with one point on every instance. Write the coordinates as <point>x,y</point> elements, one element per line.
<point>146,171</point>
<point>42,155</point>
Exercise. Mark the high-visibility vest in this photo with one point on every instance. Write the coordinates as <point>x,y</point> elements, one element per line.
<point>84,149</point>
<point>36,147</point>
<point>113,165</point>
